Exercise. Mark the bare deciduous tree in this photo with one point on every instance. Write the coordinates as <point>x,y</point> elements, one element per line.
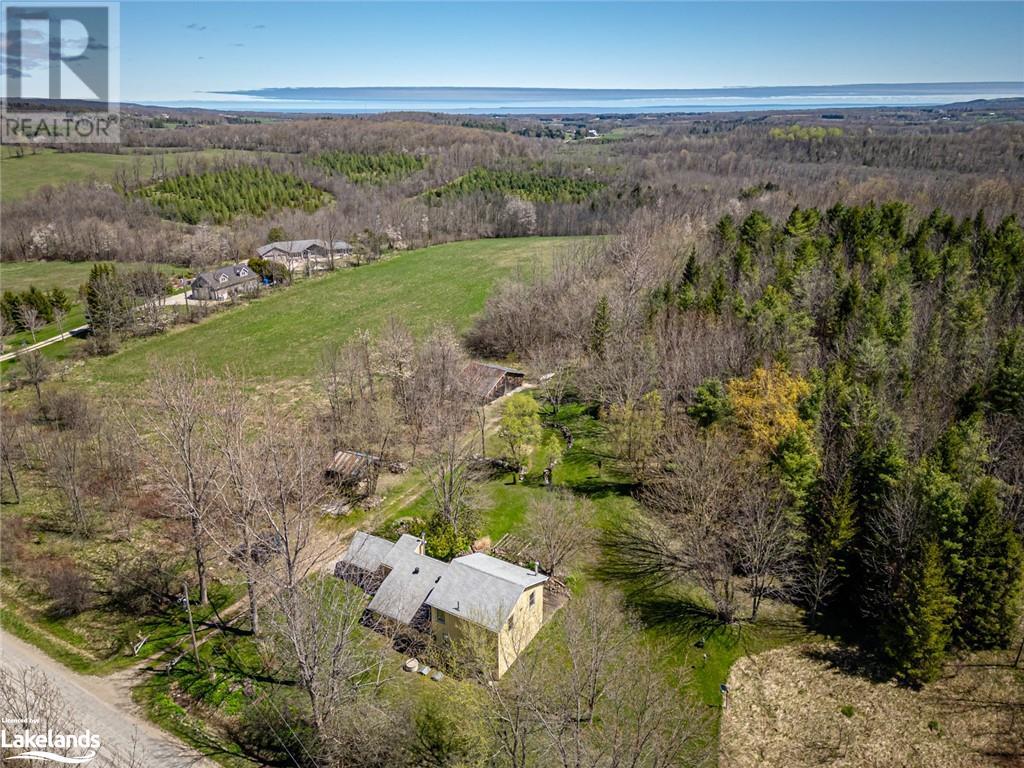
<point>558,530</point>
<point>314,628</point>
<point>11,448</point>
<point>30,320</point>
<point>37,371</point>
<point>180,421</point>
<point>64,453</point>
<point>602,702</point>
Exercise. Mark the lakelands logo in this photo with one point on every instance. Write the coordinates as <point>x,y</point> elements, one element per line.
<point>60,52</point>
<point>40,746</point>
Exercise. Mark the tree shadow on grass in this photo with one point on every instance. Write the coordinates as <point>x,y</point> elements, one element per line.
<point>680,616</point>
<point>850,660</point>
<point>597,487</point>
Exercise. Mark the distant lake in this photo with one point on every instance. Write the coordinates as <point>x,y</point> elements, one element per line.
<point>511,101</point>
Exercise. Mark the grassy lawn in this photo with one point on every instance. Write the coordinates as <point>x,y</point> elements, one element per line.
<point>95,642</point>
<point>692,648</point>
<point>20,176</point>
<point>280,336</point>
<point>19,276</point>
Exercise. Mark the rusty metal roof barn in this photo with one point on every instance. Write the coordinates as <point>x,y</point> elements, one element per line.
<point>351,465</point>
<point>487,381</point>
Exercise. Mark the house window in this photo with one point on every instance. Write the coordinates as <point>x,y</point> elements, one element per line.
<point>511,622</point>
<point>533,598</point>
<point>439,616</point>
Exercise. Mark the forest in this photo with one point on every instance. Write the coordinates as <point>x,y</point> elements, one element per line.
<point>825,409</point>
<point>373,168</point>
<point>479,182</point>
<point>218,196</point>
<point>524,185</point>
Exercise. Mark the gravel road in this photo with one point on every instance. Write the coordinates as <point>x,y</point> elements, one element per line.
<point>104,705</point>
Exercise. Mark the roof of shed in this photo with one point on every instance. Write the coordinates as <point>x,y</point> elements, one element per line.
<point>350,463</point>
<point>233,274</point>
<point>367,551</point>
<point>481,378</point>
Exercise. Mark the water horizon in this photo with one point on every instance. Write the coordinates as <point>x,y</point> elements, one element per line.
<point>513,101</point>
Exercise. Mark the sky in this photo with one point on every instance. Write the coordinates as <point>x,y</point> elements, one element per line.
<point>179,50</point>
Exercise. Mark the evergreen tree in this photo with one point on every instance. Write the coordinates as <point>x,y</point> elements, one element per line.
<point>991,584</point>
<point>916,636</point>
<point>600,327</point>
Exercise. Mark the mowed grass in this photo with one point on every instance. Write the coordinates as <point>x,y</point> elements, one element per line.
<point>19,276</point>
<point>20,176</point>
<point>282,335</point>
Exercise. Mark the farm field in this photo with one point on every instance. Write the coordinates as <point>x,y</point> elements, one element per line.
<point>20,176</point>
<point>19,276</point>
<point>280,337</point>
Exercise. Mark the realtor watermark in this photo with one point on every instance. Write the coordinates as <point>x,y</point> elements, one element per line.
<point>61,73</point>
<point>49,746</point>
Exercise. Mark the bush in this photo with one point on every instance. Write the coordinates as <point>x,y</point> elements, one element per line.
<point>138,583</point>
<point>70,589</point>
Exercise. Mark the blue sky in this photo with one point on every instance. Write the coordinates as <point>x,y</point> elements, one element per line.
<point>178,50</point>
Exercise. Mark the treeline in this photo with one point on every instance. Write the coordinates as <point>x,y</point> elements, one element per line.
<point>527,185</point>
<point>30,309</point>
<point>797,132</point>
<point>370,168</point>
<point>826,408</point>
<point>693,171</point>
<point>221,195</point>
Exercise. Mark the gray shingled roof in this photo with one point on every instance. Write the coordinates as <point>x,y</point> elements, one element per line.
<point>293,247</point>
<point>233,275</point>
<point>482,589</point>
<point>366,551</point>
<point>406,543</point>
<point>408,586</point>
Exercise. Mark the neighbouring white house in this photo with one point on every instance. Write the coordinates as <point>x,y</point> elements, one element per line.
<point>224,282</point>
<point>304,254</point>
<point>472,596</point>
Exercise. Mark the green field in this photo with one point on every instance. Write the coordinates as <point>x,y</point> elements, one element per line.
<point>19,276</point>
<point>281,336</point>
<point>20,176</point>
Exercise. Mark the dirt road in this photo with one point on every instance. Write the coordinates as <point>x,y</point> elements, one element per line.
<point>104,706</point>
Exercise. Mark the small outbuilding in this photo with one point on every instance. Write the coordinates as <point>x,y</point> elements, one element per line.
<point>487,381</point>
<point>353,470</point>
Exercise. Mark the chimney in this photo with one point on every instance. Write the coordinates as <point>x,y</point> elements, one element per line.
<point>456,605</point>
<point>536,567</point>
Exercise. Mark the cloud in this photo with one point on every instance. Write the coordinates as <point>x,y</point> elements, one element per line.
<point>35,53</point>
<point>195,26</point>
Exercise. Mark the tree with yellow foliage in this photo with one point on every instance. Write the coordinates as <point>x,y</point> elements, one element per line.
<point>766,405</point>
